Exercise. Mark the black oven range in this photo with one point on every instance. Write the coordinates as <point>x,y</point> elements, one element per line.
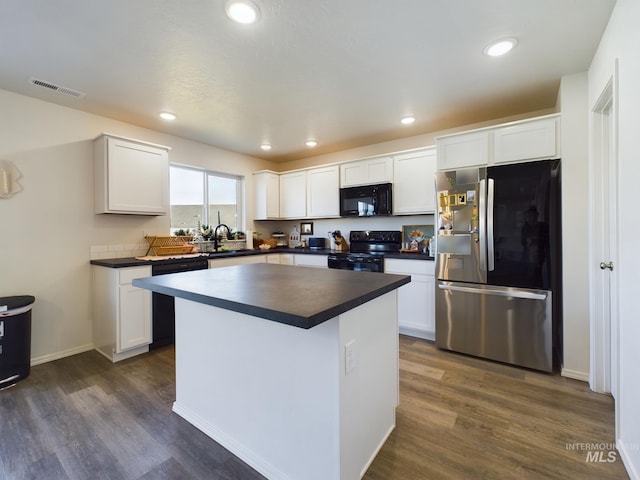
<point>367,250</point>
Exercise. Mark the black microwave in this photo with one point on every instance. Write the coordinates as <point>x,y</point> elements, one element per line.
<point>365,200</point>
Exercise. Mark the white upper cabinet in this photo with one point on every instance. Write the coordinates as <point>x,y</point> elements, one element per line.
<point>530,140</point>
<point>463,150</point>
<point>293,195</point>
<point>266,195</point>
<point>367,172</point>
<point>310,193</point>
<point>413,182</point>
<point>524,140</point>
<point>131,177</point>
<point>323,192</point>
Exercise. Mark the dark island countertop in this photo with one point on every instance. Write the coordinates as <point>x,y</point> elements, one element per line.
<point>299,296</point>
<point>134,262</point>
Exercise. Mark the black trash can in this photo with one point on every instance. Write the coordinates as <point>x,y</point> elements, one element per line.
<point>15,339</point>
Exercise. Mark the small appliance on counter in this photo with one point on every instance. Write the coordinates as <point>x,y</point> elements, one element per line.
<point>317,243</point>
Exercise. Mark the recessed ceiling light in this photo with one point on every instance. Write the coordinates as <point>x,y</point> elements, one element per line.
<point>242,11</point>
<point>500,47</point>
<point>167,116</point>
<point>266,147</point>
<point>311,143</point>
<point>408,120</point>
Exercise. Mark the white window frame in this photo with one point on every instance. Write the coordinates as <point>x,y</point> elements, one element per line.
<point>204,214</point>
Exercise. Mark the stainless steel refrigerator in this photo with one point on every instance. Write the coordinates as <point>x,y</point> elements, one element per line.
<point>498,263</point>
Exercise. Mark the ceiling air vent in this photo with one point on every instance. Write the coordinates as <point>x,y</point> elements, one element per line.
<point>56,88</point>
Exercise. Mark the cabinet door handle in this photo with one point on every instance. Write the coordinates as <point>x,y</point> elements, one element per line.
<point>604,266</point>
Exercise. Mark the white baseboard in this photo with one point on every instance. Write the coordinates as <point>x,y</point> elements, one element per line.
<point>414,332</point>
<point>379,447</point>
<point>228,442</point>
<point>626,460</point>
<point>64,353</point>
<point>584,376</point>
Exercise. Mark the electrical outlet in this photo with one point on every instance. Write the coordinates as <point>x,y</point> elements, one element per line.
<point>350,357</point>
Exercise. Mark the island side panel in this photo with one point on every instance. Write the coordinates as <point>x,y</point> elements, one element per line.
<point>266,391</point>
<point>369,381</point>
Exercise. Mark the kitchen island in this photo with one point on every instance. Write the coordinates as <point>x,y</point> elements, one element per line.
<point>293,369</point>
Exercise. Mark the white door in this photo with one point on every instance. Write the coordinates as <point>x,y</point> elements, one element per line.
<point>604,324</point>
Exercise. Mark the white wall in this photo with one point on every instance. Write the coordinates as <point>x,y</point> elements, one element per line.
<point>575,223</point>
<point>620,41</point>
<point>48,228</point>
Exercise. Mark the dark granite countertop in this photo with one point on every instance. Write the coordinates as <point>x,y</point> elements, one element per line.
<point>133,262</point>
<point>299,296</point>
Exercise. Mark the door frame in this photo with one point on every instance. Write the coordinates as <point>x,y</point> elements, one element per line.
<point>604,330</point>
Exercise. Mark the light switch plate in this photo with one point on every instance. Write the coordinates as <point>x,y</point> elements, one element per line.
<point>350,357</point>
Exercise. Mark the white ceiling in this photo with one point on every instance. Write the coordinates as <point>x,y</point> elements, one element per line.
<point>340,71</point>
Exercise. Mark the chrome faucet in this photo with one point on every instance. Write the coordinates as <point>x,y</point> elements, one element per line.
<point>215,235</point>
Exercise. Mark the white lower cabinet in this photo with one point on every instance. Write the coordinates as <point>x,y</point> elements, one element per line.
<point>280,258</point>
<point>416,300</point>
<point>121,312</point>
<point>275,258</point>
<point>304,260</point>
<point>230,261</point>
<point>286,259</point>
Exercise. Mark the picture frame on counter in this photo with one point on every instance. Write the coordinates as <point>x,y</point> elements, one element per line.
<point>306,228</point>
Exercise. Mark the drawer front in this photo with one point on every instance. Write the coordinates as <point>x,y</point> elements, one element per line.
<point>304,260</point>
<point>128,274</point>
<point>409,267</point>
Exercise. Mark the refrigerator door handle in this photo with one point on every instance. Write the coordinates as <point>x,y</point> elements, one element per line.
<point>482,227</point>
<point>502,293</point>
<point>490,244</point>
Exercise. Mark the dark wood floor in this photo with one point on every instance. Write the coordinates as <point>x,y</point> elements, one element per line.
<point>465,418</point>
<point>459,418</point>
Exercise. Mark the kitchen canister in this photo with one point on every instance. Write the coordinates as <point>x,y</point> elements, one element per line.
<point>294,237</point>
